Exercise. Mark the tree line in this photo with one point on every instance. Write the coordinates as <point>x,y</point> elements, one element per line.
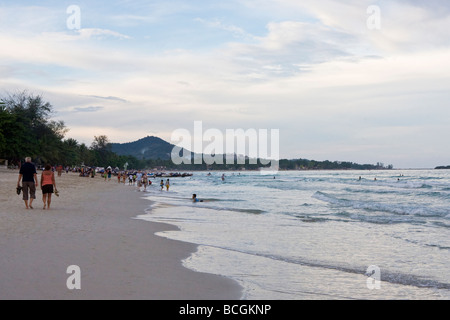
<point>27,129</point>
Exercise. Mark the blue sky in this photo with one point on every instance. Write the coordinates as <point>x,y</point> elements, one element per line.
<point>335,87</point>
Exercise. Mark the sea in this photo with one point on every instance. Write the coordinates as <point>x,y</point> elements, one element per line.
<point>314,235</point>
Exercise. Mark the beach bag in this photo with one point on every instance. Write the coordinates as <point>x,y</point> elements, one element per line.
<point>19,190</point>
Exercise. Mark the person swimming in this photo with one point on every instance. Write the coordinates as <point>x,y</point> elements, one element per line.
<point>194,198</point>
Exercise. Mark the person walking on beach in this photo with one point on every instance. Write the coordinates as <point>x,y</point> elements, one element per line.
<point>28,176</point>
<point>59,170</point>
<point>48,185</point>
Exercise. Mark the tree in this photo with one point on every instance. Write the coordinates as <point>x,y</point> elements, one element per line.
<point>101,143</point>
<point>5,121</point>
<point>70,152</point>
<point>11,134</point>
<point>101,148</point>
<point>28,130</point>
<point>85,155</point>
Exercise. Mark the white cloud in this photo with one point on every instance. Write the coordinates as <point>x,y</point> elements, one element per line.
<point>95,33</point>
<point>216,23</point>
<point>335,89</point>
<point>84,34</point>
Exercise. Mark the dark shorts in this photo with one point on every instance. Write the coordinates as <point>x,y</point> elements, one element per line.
<point>48,188</point>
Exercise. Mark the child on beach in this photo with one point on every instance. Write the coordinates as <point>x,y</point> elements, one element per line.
<point>162,185</point>
<point>167,184</point>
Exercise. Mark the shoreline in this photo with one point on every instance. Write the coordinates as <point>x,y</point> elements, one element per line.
<point>92,225</point>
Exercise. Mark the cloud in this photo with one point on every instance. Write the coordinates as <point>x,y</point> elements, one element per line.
<point>88,109</point>
<point>95,33</point>
<point>405,25</point>
<point>313,70</point>
<point>218,24</point>
<point>82,35</point>
<point>109,98</point>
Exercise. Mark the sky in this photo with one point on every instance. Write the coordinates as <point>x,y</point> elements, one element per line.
<point>358,80</point>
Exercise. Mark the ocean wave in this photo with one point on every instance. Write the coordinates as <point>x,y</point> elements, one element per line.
<point>413,210</point>
<point>311,219</point>
<point>386,275</point>
<point>250,211</point>
<point>185,202</point>
<point>395,184</point>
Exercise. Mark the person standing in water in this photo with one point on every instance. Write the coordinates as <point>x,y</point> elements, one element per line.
<point>162,185</point>
<point>167,184</point>
<point>145,180</point>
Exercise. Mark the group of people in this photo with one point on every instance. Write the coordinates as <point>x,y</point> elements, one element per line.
<point>29,180</point>
<point>140,179</point>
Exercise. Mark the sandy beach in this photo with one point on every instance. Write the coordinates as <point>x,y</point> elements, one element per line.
<point>91,226</point>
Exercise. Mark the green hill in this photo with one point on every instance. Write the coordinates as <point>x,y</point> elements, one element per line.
<point>145,148</point>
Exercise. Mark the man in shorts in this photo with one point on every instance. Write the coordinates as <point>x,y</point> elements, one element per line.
<point>28,175</point>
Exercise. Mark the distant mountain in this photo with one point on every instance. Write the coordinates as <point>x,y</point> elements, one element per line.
<point>145,148</point>
<point>154,148</point>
